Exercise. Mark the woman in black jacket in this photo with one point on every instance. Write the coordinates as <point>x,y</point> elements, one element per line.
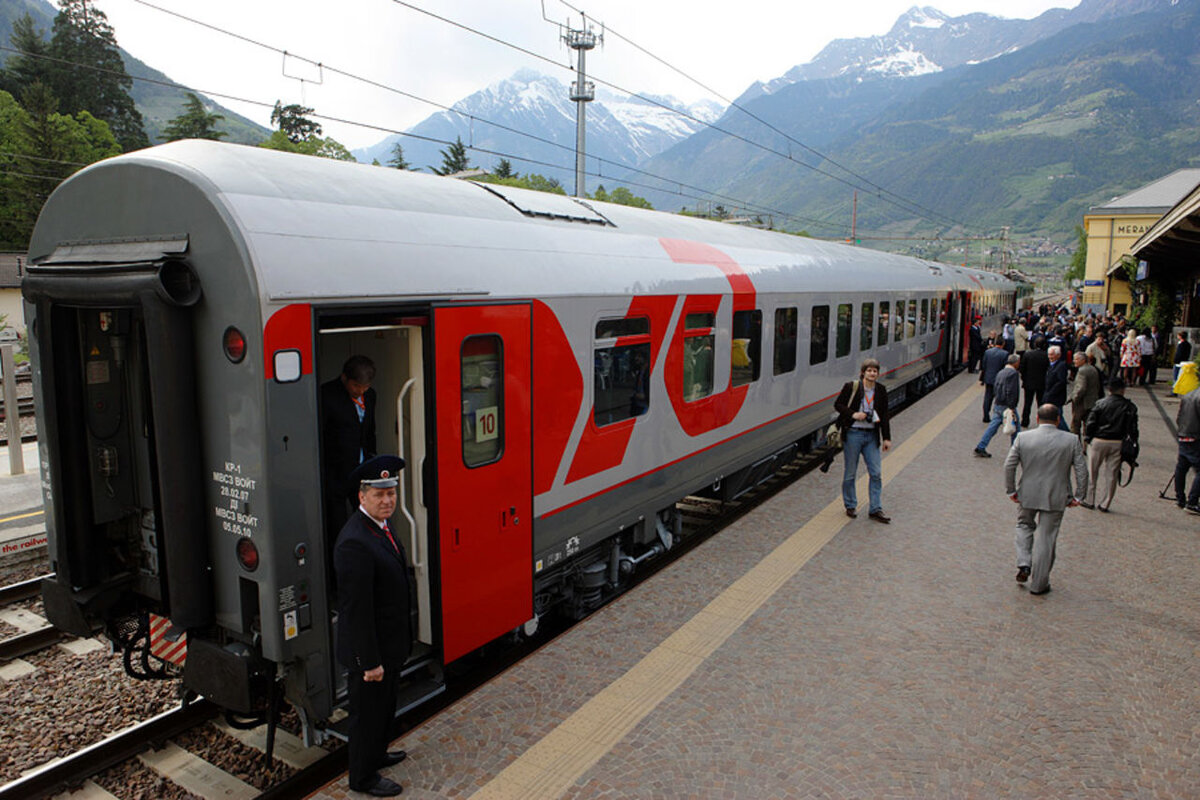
<point>863,418</point>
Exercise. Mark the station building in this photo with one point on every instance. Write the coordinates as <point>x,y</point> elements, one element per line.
<point>1113,229</point>
<point>12,269</point>
<point>1171,250</point>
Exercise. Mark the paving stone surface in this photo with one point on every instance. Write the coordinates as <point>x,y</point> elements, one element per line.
<point>902,660</point>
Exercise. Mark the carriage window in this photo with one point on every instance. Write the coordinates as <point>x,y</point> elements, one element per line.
<point>845,322</point>
<point>899,317</point>
<point>865,326</point>
<point>819,337</point>
<point>924,315</point>
<point>884,319</point>
<point>746,347</point>
<point>621,364</point>
<point>698,343</point>
<point>785,340</point>
<point>910,328</point>
<point>942,315</point>
<point>482,360</point>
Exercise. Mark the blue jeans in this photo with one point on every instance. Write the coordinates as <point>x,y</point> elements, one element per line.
<point>860,441</point>
<point>994,426</point>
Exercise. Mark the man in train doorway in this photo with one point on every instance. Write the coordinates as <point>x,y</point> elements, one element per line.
<point>974,345</point>
<point>866,428</point>
<point>348,438</point>
<point>1046,457</point>
<point>374,634</point>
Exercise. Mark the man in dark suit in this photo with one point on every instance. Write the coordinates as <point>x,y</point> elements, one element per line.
<point>1056,383</point>
<point>994,360</point>
<point>974,345</point>
<point>374,634</point>
<point>347,436</point>
<point>1033,376</point>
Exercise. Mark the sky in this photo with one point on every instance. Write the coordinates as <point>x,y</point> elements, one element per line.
<point>402,49</point>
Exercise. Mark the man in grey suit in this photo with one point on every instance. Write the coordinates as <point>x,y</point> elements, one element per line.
<point>1046,456</point>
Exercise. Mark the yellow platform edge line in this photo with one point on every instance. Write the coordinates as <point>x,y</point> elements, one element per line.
<point>557,761</point>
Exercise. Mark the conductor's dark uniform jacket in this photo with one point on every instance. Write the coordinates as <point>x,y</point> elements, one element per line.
<point>374,622</point>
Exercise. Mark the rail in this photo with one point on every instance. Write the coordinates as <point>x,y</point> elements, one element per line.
<point>15,592</point>
<point>59,776</point>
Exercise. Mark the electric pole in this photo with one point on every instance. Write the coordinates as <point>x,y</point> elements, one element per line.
<point>583,92</point>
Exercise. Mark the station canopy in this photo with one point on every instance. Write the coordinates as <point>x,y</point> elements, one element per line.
<point>1172,246</point>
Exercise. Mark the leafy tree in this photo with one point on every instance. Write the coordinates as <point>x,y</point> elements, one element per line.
<point>538,183</point>
<point>312,146</point>
<point>30,64</point>
<point>1078,268</point>
<point>624,197</point>
<point>293,123</point>
<point>454,159</point>
<point>504,169</point>
<point>193,123</point>
<point>620,196</point>
<point>40,147</point>
<point>89,74</point>
<point>397,161</point>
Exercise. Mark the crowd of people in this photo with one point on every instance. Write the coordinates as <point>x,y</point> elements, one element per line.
<point>1040,362</point>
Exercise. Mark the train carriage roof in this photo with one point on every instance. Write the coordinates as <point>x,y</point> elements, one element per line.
<point>314,228</point>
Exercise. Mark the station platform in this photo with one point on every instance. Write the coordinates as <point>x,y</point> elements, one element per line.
<point>800,653</point>
<point>22,523</point>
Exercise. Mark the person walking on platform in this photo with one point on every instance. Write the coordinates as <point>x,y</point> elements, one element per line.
<point>1112,420</point>
<point>863,418</point>
<point>374,634</point>
<point>1097,353</point>
<point>1020,337</point>
<point>1085,392</point>
<point>1034,364</point>
<point>1183,354</point>
<point>1187,421</point>
<point>1131,357</point>
<point>1055,392</point>
<point>1008,392</point>
<point>975,345</point>
<point>994,360</point>
<point>1046,457</point>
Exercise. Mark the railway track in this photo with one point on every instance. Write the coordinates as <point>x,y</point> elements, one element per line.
<point>311,768</point>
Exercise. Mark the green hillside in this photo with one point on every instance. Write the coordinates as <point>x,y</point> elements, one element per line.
<point>1029,140</point>
<point>157,103</point>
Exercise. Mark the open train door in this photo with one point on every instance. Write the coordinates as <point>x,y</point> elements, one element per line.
<point>484,472</point>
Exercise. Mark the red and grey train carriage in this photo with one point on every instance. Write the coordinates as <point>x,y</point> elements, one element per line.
<point>557,373</point>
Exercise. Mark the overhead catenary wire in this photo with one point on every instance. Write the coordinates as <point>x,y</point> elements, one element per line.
<point>707,195</point>
<point>686,115</point>
<point>734,104</point>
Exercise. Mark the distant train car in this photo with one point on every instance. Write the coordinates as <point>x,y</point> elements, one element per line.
<point>557,373</point>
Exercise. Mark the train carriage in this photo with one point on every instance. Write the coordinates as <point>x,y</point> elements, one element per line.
<point>556,372</point>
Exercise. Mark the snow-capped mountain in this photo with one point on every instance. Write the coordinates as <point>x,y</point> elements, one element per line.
<point>925,40</point>
<point>621,130</point>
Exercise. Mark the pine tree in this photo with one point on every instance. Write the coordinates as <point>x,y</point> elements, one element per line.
<point>294,123</point>
<point>454,159</point>
<point>30,64</point>
<point>194,123</point>
<point>504,169</point>
<point>397,161</point>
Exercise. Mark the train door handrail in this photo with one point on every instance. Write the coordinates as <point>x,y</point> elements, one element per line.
<point>418,557</point>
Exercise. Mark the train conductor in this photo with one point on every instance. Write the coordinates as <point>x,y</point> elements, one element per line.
<point>374,625</point>
<point>348,431</point>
